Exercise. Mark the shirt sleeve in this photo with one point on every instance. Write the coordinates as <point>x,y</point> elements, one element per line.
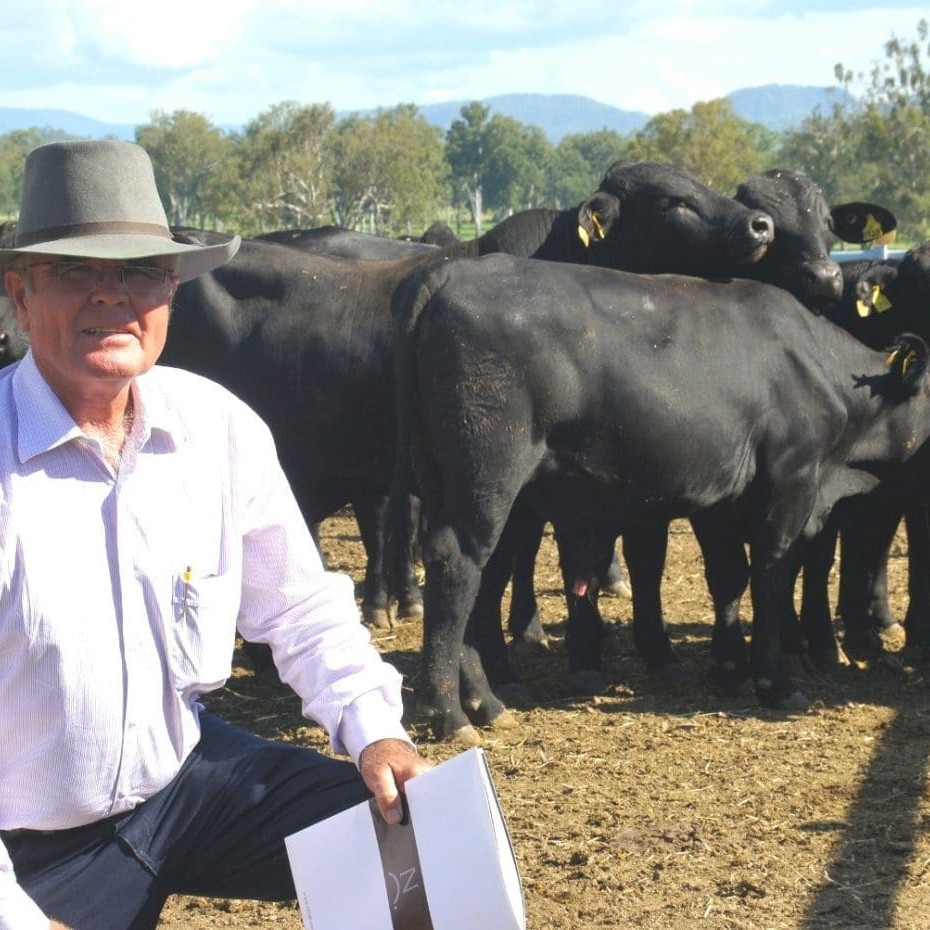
<point>17,910</point>
<point>309,617</point>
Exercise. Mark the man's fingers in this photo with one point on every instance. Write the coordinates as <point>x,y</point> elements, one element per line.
<point>385,765</point>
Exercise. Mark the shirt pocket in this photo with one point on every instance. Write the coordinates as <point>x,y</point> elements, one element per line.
<point>204,630</point>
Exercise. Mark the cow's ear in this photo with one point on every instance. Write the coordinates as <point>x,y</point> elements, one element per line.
<point>872,290</point>
<point>863,223</point>
<point>907,360</point>
<point>596,215</point>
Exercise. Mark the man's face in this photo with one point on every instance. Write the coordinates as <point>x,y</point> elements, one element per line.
<point>91,330</point>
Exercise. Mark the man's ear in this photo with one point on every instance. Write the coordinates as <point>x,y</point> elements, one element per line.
<point>16,289</point>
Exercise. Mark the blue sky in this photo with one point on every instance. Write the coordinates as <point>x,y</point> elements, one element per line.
<point>118,62</point>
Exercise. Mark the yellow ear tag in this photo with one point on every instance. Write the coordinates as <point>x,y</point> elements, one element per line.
<point>872,229</point>
<point>890,360</point>
<point>597,225</point>
<point>862,308</point>
<point>879,300</point>
<point>583,236</point>
<point>887,238</point>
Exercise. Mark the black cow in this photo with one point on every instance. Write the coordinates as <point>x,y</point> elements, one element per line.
<point>615,401</point>
<point>12,341</point>
<point>805,227</point>
<point>439,233</point>
<point>799,261</point>
<point>880,298</point>
<point>305,337</point>
<point>335,240</point>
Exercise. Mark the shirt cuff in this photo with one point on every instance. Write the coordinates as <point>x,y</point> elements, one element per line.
<point>17,910</point>
<point>367,719</point>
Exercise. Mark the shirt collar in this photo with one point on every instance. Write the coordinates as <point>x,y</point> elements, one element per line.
<point>44,423</point>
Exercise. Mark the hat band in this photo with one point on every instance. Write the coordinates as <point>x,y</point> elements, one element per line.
<point>50,233</point>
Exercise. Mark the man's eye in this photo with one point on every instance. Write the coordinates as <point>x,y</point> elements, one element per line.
<point>143,274</point>
<point>76,272</point>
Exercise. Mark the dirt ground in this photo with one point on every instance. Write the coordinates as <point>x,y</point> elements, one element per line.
<point>666,810</point>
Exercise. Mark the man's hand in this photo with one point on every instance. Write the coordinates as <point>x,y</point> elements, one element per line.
<point>385,765</point>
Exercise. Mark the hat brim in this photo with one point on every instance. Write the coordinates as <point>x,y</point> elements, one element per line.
<point>190,260</point>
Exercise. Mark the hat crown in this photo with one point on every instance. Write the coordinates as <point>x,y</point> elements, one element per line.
<point>89,186</point>
<point>97,199</point>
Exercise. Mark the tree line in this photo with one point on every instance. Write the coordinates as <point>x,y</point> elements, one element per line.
<point>393,173</point>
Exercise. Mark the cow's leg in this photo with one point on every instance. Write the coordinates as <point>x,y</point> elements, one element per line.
<point>376,598</point>
<point>452,583</point>
<point>726,571</point>
<point>461,537</point>
<point>583,565</point>
<point>772,574</point>
<point>644,549</point>
<point>616,581</point>
<point>771,587</point>
<point>526,529</point>
<point>816,617</point>
<point>917,619</point>
<point>866,534</point>
<point>485,626</point>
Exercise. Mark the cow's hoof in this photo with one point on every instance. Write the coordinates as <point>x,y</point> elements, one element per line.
<point>782,695</point>
<point>863,645</point>
<point>377,617</point>
<point>533,632</point>
<point>828,659</point>
<point>729,677</point>
<point>410,610</point>
<point>893,636</point>
<point>611,642</point>
<point>465,737</point>
<point>588,681</point>
<point>669,673</point>
<point>505,720</point>
<point>513,694</point>
<point>619,587</point>
<point>450,727</point>
<point>529,647</point>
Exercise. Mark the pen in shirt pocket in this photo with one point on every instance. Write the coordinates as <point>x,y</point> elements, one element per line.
<point>186,577</point>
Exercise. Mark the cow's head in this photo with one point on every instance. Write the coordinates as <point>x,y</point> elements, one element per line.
<point>805,226</point>
<point>653,218</point>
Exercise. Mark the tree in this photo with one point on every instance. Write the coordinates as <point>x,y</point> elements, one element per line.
<point>896,147</point>
<point>518,157</point>
<point>466,145</point>
<point>14,146</point>
<point>389,172</point>
<point>285,166</point>
<point>186,152</point>
<point>579,162</point>
<point>893,130</point>
<point>903,80</point>
<point>822,147</point>
<point>711,141</point>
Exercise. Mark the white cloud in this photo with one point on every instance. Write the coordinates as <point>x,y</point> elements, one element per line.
<point>233,62</point>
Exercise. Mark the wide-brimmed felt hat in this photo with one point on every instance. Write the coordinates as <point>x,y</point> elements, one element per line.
<point>98,199</point>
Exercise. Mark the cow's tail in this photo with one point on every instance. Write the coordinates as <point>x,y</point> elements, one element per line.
<point>412,466</point>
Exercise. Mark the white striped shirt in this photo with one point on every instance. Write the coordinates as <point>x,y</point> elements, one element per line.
<point>120,594</point>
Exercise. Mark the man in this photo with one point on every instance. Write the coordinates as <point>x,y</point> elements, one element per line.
<point>143,516</point>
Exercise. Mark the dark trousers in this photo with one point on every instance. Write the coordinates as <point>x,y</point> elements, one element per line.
<point>217,830</point>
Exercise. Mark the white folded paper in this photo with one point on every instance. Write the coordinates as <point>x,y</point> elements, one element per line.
<point>449,867</point>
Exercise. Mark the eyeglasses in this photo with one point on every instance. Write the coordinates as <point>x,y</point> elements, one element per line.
<point>81,277</point>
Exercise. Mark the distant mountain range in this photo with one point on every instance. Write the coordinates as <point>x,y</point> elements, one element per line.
<point>776,106</point>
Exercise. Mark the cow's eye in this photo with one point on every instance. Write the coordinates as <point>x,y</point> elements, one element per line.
<point>677,205</point>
